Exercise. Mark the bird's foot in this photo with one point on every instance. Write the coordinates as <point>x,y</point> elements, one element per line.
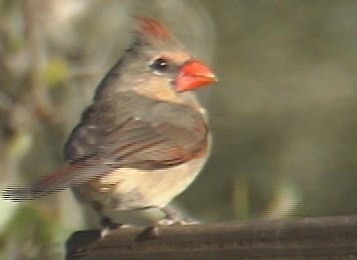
<point>108,225</point>
<point>172,217</point>
<point>170,222</point>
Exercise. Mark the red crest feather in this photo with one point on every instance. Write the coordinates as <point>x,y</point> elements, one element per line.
<point>151,27</point>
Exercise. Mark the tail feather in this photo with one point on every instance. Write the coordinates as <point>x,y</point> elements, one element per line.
<point>71,175</point>
<point>21,193</point>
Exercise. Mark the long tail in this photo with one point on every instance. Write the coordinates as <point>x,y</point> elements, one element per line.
<point>64,178</point>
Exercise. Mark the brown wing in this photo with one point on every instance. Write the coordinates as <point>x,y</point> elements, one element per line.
<point>139,133</point>
<point>136,133</point>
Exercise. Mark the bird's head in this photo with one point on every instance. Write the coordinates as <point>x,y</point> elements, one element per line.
<point>159,66</point>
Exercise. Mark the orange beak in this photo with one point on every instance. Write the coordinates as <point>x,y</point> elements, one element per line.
<point>192,75</point>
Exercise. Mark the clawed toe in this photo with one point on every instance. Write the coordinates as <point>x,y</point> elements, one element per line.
<point>170,222</point>
<point>109,225</point>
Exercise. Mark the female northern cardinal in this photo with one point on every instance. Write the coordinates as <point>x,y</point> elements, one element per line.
<point>144,139</point>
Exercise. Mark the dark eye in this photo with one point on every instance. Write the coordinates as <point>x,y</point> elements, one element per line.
<point>160,65</point>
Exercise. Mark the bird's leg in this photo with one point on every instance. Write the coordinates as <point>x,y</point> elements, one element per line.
<point>109,225</point>
<point>106,223</point>
<point>172,216</point>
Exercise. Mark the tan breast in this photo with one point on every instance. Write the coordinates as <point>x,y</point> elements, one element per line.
<point>130,189</point>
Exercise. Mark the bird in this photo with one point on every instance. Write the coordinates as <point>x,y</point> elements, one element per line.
<point>144,138</point>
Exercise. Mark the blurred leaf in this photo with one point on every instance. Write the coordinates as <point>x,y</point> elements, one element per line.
<point>56,72</point>
<point>19,145</point>
<point>286,200</point>
<point>241,198</point>
<point>8,208</point>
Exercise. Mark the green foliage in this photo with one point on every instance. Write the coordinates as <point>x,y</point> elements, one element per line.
<point>56,72</point>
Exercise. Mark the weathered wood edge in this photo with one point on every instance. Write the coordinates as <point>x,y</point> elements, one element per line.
<point>307,238</point>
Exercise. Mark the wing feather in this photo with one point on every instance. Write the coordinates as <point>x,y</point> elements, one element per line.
<point>152,136</point>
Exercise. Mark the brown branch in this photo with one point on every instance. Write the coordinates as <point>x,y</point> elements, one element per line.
<point>308,238</point>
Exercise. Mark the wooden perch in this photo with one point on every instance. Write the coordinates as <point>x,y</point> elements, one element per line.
<point>307,238</point>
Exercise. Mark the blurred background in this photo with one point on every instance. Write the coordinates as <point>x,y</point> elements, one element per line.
<point>283,112</point>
